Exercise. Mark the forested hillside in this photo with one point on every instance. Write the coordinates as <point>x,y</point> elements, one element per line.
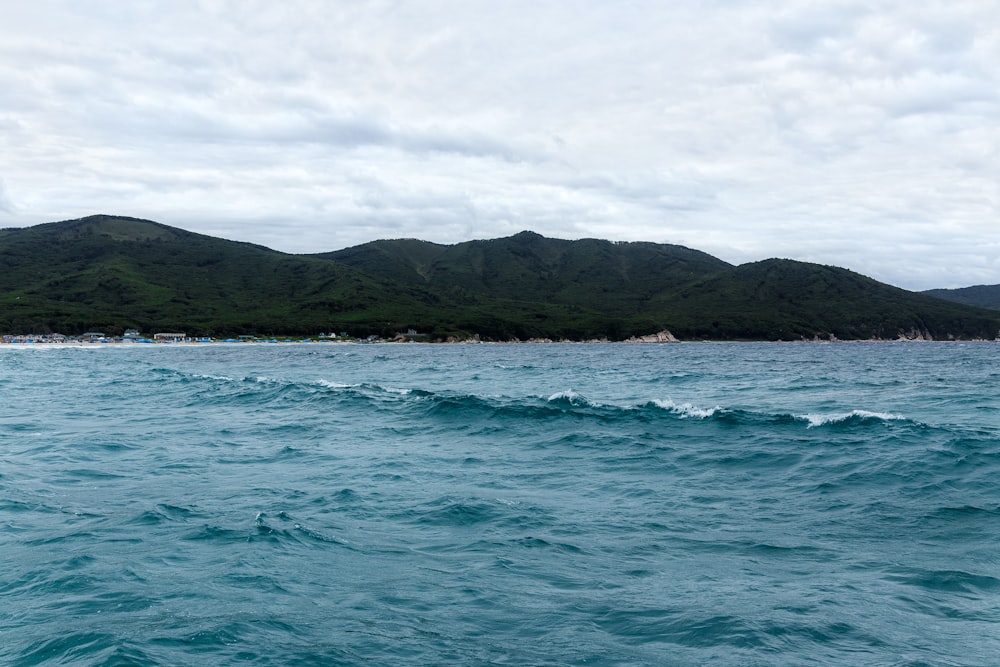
<point>109,273</point>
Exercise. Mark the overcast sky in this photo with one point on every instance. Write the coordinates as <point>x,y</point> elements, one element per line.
<point>860,134</point>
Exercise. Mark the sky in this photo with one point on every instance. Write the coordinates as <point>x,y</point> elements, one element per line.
<point>864,135</point>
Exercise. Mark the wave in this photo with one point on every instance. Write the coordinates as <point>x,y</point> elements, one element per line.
<point>85,647</point>
<point>572,399</point>
<point>371,387</point>
<point>217,389</point>
<point>285,531</point>
<point>691,411</point>
<point>949,581</point>
<point>686,409</point>
<point>854,416</point>
<point>560,404</point>
<point>294,532</point>
<point>455,511</point>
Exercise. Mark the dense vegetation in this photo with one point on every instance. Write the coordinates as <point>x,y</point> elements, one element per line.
<point>109,273</point>
<point>982,296</point>
<point>106,273</point>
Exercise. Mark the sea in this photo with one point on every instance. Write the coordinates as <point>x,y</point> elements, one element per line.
<point>508,504</point>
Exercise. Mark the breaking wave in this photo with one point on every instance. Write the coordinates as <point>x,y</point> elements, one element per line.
<point>563,403</point>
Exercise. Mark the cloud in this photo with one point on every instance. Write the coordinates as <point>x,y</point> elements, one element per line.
<point>845,133</point>
<point>6,206</point>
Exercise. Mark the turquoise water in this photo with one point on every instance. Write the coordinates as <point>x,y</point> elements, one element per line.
<point>326,504</point>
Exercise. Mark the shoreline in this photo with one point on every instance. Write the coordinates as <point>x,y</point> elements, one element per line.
<point>289,343</point>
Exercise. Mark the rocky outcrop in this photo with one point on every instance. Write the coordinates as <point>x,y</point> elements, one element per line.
<point>661,337</point>
<point>915,334</point>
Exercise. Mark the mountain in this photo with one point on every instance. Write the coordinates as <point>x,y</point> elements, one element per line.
<point>785,299</point>
<point>110,273</point>
<point>982,296</point>
<point>648,286</point>
<point>611,278</point>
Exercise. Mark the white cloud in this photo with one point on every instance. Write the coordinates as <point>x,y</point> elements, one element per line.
<point>841,132</point>
<point>6,205</point>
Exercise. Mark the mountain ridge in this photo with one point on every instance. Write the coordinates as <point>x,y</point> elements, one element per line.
<point>614,276</point>
<point>982,296</point>
<point>113,272</point>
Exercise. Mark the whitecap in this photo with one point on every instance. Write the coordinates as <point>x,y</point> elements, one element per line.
<point>836,418</point>
<point>223,378</point>
<point>686,409</point>
<point>329,384</point>
<point>571,397</point>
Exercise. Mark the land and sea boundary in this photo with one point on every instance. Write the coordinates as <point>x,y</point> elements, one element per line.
<point>662,337</point>
<point>97,278</point>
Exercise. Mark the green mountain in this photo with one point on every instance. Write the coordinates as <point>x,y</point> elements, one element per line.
<point>107,273</point>
<point>110,273</point>
<point>981,296</point>
<point>785,299</point>
<point>616,279</point>
<point>649,287</point>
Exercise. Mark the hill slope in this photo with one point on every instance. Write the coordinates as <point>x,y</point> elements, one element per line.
<point>611,278</point>
<point>647,286</point>
<point>981,296</point>
<point>109,273</point>
<point>785,299</point>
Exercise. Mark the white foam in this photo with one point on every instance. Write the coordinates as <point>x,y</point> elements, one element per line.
<point>334,385</point>
<point>573,398</point>
<point>329,384</point>
<point>687,409</point>
<point>224,378</point>
<point>820,420</point>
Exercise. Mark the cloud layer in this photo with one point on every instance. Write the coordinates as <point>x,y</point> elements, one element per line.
<point>836,132</point>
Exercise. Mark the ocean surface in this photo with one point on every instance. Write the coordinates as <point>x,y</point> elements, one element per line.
<point>577,504</point>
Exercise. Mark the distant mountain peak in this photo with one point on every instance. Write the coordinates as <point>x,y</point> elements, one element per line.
<point>981,296</point>
<point>116,228</point>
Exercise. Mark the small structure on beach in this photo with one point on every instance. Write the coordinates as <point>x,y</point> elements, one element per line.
<point>169,337</point>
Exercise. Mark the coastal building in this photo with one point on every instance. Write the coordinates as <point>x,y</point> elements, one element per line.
<point>23,339</point>
<point>169,337</point>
